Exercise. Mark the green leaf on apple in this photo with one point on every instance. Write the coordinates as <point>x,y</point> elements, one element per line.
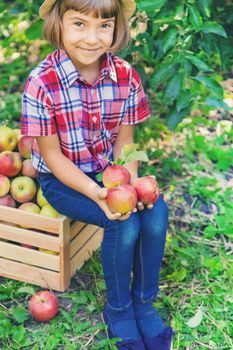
<point>99,177</point>
<point>130,153</point>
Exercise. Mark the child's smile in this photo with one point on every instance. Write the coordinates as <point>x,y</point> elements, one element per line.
<point>86,38</point>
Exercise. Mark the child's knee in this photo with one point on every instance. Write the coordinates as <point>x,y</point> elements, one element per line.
<point>125,232</point>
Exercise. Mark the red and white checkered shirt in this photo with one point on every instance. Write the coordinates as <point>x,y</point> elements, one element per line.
<point>87,118</point>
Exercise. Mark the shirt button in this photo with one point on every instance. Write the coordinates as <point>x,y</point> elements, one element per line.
<point>94,119</point>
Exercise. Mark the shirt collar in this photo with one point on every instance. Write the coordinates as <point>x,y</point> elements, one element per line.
<point>68,73</point>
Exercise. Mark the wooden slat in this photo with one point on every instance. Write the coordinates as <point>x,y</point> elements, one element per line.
<point>30,274</point>
<point>86,252</point>
<point>64,242</point>
<point>29,256</point>
<point>36,239</point>
<point>75,228</point>
<point>36,221</point>
<point>77,243</point>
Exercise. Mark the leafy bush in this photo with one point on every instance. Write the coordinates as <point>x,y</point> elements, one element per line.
<point>182,50</point>
<point>182,47</point>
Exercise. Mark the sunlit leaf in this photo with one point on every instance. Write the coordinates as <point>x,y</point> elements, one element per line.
<point>194,321</point>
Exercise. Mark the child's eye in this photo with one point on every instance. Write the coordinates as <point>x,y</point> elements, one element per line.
<point>106,25</point>
<point>79,24</point>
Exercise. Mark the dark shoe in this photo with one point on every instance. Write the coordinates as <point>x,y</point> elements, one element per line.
<point>161,342</point>
<point>127,344</point>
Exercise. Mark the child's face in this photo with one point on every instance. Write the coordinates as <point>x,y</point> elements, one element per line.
<point>86,38</point>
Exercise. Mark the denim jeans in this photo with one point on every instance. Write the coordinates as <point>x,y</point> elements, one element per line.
<point>135,245</point>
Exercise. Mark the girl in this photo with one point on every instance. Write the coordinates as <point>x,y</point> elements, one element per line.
<point>81,104</point>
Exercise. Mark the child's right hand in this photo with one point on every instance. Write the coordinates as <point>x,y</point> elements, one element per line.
<point>102,194</point>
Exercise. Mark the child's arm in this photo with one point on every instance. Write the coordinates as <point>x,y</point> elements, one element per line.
<point>126,136</point>
<point>70,175</point>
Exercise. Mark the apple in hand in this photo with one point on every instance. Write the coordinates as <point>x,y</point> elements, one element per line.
<point>41,200</point>
<point>10,163</point>
<point>147,189</point>
<point>121,199</point>
<point>48,210</point>
<point>25,146</point>
<point>43,305</point>
<point>115,175</point>
<point>7,201</point>
<point>28,169</point>
<point>4,185</point>
<point>8,139</point>
<point>23,189</point>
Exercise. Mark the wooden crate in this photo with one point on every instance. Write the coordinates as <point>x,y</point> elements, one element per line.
<point>73,243</point>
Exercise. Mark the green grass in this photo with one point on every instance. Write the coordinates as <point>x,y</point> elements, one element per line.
<point>195,171</point>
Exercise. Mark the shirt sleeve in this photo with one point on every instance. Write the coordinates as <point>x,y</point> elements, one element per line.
<point>38,118</point>
<point>137,109</point>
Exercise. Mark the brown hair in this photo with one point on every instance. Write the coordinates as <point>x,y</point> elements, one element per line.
<point>98,9</point>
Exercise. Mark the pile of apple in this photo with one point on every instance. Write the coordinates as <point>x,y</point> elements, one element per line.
<point>19,187</point>
<point>123,197</point>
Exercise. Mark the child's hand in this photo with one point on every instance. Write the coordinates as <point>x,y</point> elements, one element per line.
<point>102,194</point>
<point>141,206</point>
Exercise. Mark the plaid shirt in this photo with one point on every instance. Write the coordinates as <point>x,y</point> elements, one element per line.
<point>86,118</point>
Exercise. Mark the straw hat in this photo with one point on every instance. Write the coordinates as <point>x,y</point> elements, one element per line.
<point>129,7</point>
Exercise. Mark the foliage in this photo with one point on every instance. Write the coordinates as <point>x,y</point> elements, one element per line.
<point>182,57</point>
<point>196,277</point>
<point>183,46</point>
<point>182,49</point>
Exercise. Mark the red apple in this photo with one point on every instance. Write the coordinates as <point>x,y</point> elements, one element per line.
<point>29,246</point>
<point>23,189</point>
<point>147,189</point>
<point>10,163</point>
<point>25,146</point>
<point>121,199</point>
<point>28,169</point>
<point>4,185</point>
<point>7,201</point>
<point>43,305</point>
<point>8,139</point>
<point>116,175</point>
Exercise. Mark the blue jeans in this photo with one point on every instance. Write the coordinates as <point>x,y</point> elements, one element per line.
<point>134,245</point>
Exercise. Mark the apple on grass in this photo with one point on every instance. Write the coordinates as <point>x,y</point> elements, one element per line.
<point>25,146</point>
<point>115,175</point>
<point>10,163</point>
<point>147,189</point>
<point>43,305</point>
<point>8,139</point>
<point>4,185</point>
<point>28,169</point>
<point>23,189</point>
<point>121,199</point>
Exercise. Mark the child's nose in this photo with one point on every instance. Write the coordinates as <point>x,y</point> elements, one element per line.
<point>92,37</point>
